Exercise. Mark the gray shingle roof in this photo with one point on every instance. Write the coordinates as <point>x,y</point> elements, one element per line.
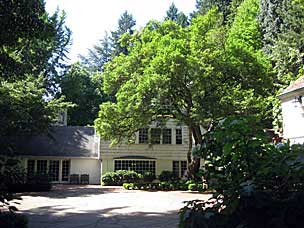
<point>61,141</point>
<point>293,87</point>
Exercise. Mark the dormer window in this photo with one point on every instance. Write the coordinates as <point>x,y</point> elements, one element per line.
<point>155,135</point>
<point>179,136</point>
<point>167,136</point>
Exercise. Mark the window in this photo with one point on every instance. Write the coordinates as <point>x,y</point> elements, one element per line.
<point>54,170</point>
<point>42,166</point>
<point>65,173</point>
<point>143,135</point>
<point>179,168</point>
<point>139,166</point>
<point>30,167</point>
<point>183,168</point>
<point>175,170</point>
<point>155,135</point>
<point>179,136</point>
<point>167,136</point>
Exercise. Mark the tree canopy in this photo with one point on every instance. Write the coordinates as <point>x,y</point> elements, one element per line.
<point>32,49</point>
<point>196,74</point>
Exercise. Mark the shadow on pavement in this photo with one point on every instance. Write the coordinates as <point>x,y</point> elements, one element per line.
<point>65,191</point>
<point>60,217</point>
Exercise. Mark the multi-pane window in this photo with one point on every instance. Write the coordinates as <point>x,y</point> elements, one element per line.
<point>176,169</point>
<point>155,135</point>
<point>143,135</point>
<point>54,170</point>
<point>30,167</point>
<point>179,168</point>
<point>65,172</point>
<point>167,135</point>
<point>179,136</point>
<point>183,165</point>
<point>139,166</point>
<point>42,166</point>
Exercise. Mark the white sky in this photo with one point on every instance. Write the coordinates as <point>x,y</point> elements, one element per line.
<point>89,19</point>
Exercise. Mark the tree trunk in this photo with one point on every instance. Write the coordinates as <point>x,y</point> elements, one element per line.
<point>194,162</point>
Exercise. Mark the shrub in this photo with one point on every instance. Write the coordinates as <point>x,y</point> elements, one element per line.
<point>13,220</point>
<point>193,187</point>
<point>167,176</point>
<point>148,176</point>
<point>119,177</point>
<point>257,184</point>
<point>34,183</point>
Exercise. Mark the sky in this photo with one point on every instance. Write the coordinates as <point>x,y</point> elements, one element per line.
<point>90,19</point>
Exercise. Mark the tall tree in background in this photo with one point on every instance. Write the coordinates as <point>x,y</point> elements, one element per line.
<point>227,7</point>
<point>32,48</point>
<point>282,24</point>
<point>178,17</point>
<point>110,46</point>
<point>99,55</point>
<point>125,25</point>
<point>79,86</point>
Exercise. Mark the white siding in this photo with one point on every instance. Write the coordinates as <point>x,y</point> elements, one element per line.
<point>87,166</point>
<point>293,120</point>
<point>163,154</point>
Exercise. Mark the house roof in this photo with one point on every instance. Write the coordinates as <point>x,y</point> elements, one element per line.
<point>297,85</point>
<point>60,141</point>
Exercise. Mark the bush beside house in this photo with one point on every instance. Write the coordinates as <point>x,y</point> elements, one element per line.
<point>166,181</point>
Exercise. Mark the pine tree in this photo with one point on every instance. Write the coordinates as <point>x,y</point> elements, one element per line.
<point>172,13</point>
<point>99,55</point>
<point>178,17</point>
<point>125,25</point>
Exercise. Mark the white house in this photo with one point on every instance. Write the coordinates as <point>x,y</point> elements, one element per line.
<point>156,148</point>
<point>63,151</point>
<point>292,103</point>
<point>67,150</point>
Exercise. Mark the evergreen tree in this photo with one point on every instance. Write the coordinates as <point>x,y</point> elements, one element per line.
<point>33,45</point>
<point>283,31</point>
<point>227,7</point>
<point>270,18</point>
<point>79,86</point>
<point>99,55</point>
<point>178,17</point>
<point>182,19</point>
<point>125,25</point>
<point>172,13</point>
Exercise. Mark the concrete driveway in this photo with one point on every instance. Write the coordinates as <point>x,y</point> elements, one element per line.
<point>91,206</point>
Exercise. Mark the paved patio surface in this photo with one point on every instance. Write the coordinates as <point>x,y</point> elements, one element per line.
<point>91,206</point>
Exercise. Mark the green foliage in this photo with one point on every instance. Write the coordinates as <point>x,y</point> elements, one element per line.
<point>252,179</point>
<point>176,185</point>
<point>99,55</point>
<point>80,87</point>
<point>167,176</point>
<point>23,109</point>
<point>32,49</point>
<point>125,25</point>
<point>226,7</point>
<point>13,220</point>
<point>178,17</point>
<point>183,72</point>
<point>119,177</point>
<point>148,176</point>
<point>35,183</point>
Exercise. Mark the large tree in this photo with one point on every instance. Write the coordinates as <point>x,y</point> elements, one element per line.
<point>125,25</point>
<point>194,74</point>
<point>179,17</point>
<point>80,87</point>
<point>32,49</point>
